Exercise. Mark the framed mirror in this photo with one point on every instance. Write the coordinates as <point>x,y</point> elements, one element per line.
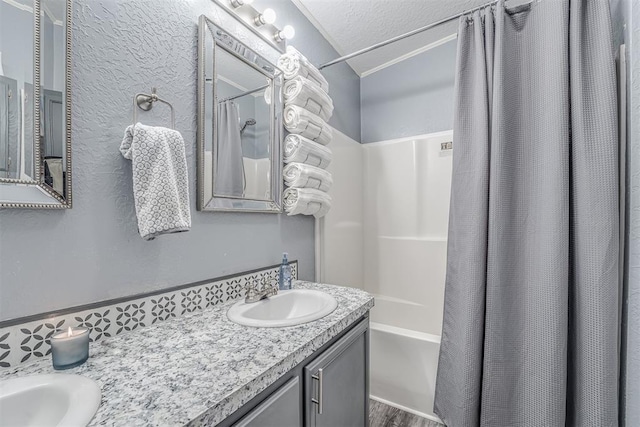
<point>239,125</point>
<point>35,104</point>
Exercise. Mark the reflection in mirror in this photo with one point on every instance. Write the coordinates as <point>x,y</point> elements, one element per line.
<point>16,88</point>
<point>239,126</point>
<point>52,80</point>
<point>9,127</point>
<point>34,158</point>
<point>242,164</point>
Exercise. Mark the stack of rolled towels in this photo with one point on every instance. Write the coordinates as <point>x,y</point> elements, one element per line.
<point>307,110</point>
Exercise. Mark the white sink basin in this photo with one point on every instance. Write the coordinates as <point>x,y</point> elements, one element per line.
<point>288,308</point>
<point>48,400</point>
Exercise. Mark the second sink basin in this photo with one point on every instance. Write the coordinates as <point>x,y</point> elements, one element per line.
<point>288,308</point>
<point>48,400</point>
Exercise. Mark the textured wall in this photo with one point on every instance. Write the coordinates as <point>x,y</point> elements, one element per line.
<point>51,260</point>
<point>412,97</point>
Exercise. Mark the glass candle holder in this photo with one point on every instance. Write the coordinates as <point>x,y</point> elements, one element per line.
<point>70,348</point>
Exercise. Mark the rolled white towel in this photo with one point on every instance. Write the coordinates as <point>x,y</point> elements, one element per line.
<point>305,123</point>
<point>297,148</point>
<point>304,93</point>
<point>306,201</point>
<point>306,176</point>
<point>294,64</point>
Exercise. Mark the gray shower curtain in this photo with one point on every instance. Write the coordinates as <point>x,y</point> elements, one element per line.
<point>229,178</point>
<point>530,331</point>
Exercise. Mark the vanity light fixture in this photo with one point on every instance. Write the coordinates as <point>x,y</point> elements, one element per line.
<point>287,33</point>
<point>238,3</point>
<point>266,17</point>
<point>261,23</point>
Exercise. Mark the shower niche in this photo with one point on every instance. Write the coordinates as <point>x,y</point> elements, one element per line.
<point>239,125</point>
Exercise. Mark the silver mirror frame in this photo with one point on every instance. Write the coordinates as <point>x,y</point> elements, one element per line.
<point>224,40</point>
<point>58,201</point>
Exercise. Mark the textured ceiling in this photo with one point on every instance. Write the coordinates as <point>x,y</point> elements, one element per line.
<point>350,25</point>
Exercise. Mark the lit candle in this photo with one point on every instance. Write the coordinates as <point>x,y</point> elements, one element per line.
<point>70,348</point>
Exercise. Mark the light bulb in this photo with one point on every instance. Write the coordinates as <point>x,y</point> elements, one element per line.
<point>269,16</point>
<point>238,3</point>
<point>287,33</point>
<point>266,17</point>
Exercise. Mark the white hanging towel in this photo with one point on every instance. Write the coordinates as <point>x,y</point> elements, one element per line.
<point>306,176</point>
<point>305,123</point>
<point>297,148</point>
<point>295,64</point>
<point>160,181</point>
<point>308,95</point>
<point>306,201</point>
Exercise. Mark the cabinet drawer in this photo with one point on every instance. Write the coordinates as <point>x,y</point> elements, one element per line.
<point>281,409</point>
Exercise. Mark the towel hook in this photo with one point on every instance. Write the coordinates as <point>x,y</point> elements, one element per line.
<point>145,103</point>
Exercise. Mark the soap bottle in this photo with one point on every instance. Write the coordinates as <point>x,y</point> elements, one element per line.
<point>284,282</point>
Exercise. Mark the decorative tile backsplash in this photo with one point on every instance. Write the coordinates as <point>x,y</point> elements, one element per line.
<point>25,342</point>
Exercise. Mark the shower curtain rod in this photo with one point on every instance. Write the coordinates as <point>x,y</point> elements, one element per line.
<point>244,93</point>
<point>403,36</point>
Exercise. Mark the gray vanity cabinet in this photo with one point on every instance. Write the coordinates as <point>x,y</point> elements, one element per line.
<point>330,388</point>
<point>337,384</point>
<point>280,409</point>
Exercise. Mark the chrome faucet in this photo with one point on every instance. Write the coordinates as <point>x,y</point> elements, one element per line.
<point>265,291</point>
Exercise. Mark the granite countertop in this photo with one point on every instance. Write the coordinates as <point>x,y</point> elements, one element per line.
<point>200,368</point>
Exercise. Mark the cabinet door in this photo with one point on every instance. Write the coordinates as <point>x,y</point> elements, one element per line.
<point>281,409</point>
<point>336,383</point>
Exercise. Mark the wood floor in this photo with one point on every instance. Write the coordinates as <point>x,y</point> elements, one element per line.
<point>381,415</point>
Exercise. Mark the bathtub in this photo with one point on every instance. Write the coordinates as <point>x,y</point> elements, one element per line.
<point>403,368</point>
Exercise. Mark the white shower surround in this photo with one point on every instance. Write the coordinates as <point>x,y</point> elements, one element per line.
<point>388,236</point>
